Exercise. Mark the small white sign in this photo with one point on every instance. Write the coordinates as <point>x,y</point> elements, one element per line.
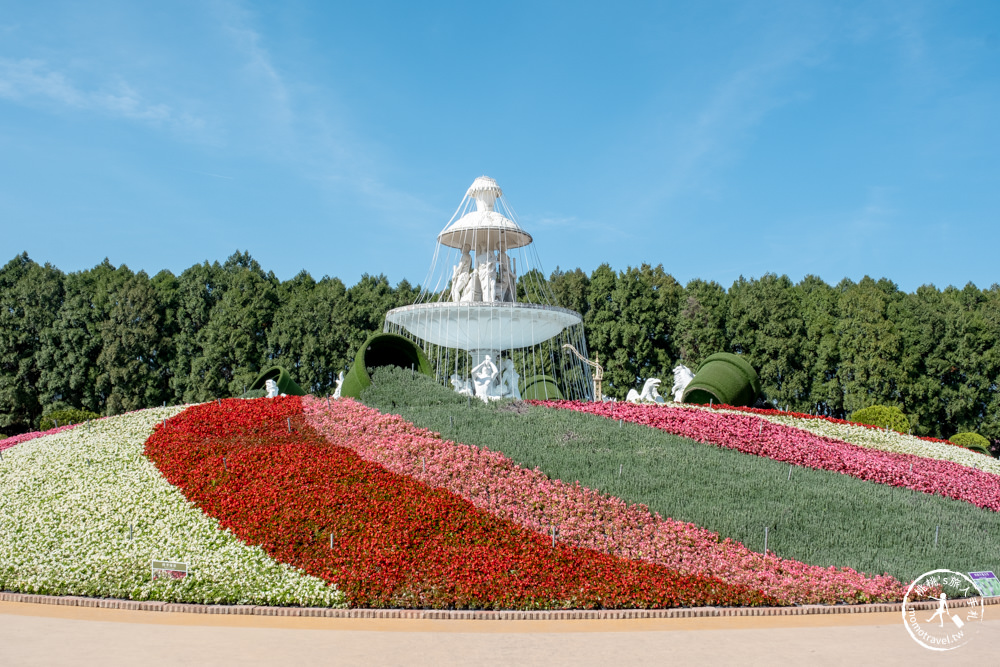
<point>170,569</point>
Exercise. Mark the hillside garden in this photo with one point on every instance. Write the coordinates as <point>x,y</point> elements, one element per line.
<point>419,498</point>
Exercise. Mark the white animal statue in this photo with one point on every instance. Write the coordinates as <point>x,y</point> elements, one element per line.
<point>462,386</point>
<point>272,388</point>
<point>682,378</point>
<point>340,383</point>
<point>649,393</point>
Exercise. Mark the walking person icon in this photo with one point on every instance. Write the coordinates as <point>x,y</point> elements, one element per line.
<point>942,608</point>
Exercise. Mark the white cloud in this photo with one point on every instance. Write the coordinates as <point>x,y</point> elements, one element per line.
<point>304,122</point>
<point>33,83</point>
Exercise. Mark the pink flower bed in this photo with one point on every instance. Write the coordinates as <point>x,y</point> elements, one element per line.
<point>581,516</point>
<point>752,435</point>
<point>803,415</point>
<point>7,443</point>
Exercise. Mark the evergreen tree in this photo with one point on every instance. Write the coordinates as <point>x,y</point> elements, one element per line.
<point>818,304</point>
<point>601,330</point>
<point>128,363</point>
<point>309,333</point>
<point>765,326</point>
<point>29,301</point>
<point>989,312</point>
<point>570,289</point>
<point>925,320</point>
<point>167,294</point>
<point>701,322</point>
<point>367,303</point>
<point>973,372</point>
<point>73,344</point>
<point>668,295</point>
<point>869,345</point>
<point>198,290</point>
<point>234,340</point>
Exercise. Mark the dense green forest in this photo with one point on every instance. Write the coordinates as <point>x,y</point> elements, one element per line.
<point>110,340</point>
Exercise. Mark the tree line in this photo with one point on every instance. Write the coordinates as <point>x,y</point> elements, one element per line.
<point>110,340</point>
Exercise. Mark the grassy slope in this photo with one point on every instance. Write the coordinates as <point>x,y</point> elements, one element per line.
<point>817,517</point>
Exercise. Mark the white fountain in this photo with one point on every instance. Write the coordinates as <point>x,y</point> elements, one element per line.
<point>486,312</point>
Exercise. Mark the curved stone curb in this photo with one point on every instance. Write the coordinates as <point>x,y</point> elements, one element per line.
<point>472,615</point>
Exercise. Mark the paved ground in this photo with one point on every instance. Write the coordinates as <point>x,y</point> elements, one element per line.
<point>37,634</point>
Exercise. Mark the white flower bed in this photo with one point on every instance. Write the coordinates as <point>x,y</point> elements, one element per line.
<point>873,438</point>
<point>67,502</point>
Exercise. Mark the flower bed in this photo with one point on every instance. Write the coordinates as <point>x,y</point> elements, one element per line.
<point>871,437</point>
<point>7,443</point>
<point>581,516</point>
<point>82,512</point>
<point>754,435</point>
<point>387,539</point>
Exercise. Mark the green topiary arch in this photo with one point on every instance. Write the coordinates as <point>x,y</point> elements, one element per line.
<point>540,388</point>
<point>286,385</point>
<point>724,378</point>
<point>383,349</point>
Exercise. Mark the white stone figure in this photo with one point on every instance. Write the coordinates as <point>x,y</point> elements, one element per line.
<point>340,383</point>
<point>461,275</point>
<point>272,388</point>
<point>486,271</point>
<point>473,289</point>
<point>682,378</point>
<point>649,393</point>
<point>462,386</point>
<point>507,282</point>
<point>508,380</point>
<point>484,377</point>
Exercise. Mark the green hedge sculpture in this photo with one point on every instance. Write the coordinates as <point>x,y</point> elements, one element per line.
<point>883,416</point>
<point>540,388</point>
<point>286,385</point>
<point>723,378</point>
<point>383,349</point>
<point>973,441</point>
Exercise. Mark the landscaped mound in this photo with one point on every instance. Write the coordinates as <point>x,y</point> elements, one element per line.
<point>751,435</point>
<point>386,539</point>
<point>815,516</point>
<point>395,516</point>
<point>83,512</point>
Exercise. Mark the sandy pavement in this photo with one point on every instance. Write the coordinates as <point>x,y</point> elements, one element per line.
<point>38,634</point>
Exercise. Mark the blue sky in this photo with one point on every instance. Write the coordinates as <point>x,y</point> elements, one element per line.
<point>718,138</point>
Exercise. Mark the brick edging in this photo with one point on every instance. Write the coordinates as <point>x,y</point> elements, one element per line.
<point>469,615</point>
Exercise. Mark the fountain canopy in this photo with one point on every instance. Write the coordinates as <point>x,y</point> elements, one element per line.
<point>486,298</point>
<point>484,227</point>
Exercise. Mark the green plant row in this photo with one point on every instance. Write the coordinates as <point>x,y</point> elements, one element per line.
<point>814,516</point>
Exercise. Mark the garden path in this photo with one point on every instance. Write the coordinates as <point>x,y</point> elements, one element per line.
<point>36,634</point>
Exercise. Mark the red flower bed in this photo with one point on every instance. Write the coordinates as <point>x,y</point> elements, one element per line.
<point>396,541</point>
<point>583,517</point>
<point>782,443</point>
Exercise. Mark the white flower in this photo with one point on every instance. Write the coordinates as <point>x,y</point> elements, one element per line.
<point>83,512</point>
